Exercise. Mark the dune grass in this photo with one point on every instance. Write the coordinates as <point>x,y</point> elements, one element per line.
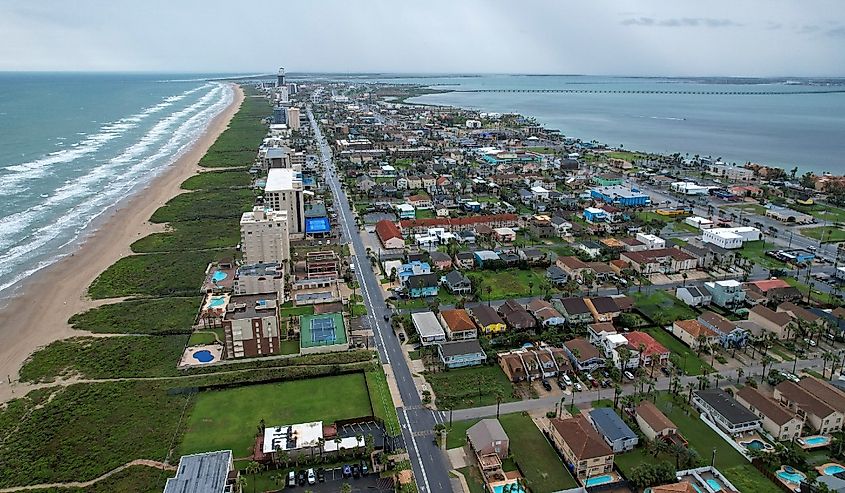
<point>155,316</point>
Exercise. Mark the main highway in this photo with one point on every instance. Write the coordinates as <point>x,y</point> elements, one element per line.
<point>417,422</point>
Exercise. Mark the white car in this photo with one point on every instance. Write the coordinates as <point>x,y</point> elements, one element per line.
<point>811,342</point>
<point>566,379</point>
<point>578,387</point>
<point>312,478</point>
<point>629,375</point>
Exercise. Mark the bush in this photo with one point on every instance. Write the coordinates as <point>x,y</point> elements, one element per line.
<point>160,316</point>
<point>192,235</point>
<point>218,179</point>
<point>205,204</point>
<point>238,144</point>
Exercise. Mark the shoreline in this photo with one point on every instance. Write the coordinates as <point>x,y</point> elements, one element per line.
<point>37,313</point>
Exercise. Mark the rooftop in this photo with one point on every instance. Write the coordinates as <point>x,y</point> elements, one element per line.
<point>283,179</point>
<point>458,348</point>
<point>427,325</point>
<point>581,438</point>
<point>201,473</point>
<point>610,424</point>
<point>727,406</point>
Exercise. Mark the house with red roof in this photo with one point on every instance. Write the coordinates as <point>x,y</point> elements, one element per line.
<point>651,351</point>
<point>389,235</point>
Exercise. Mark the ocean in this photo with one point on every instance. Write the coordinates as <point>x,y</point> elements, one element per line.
<point>792,123</point>
<point>75,145</point>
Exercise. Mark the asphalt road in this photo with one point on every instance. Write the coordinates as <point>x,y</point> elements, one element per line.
<point>417,422</point>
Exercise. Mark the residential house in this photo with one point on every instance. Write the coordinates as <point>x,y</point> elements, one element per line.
<point>508,258</point>
<point>412,268</point>
<point>423,285</point>
<point>420,201</point>
<point>801,313</point>
<point>533,256</point>
<point>603,308</point>
<point>821,404</point>
<point>726,294</point>
<point>651,242</point>
<point>456,283</point>
<point>573,266</point>
<point>556,275</point>
<point>778,420</point>
<point>504,234</point>
<point>428,328</point>
<point>613,430</point>
<point>633,245</point>
<point>406,211</point>
<point>484,258</point>
<point>660,261</point>
<point>595,215</point>
<point>490,443</point>
<point>365,183</point>
<point>541,227</point>
<point>458,324</point>
<point>460,354</point>
<point>440,260</point>
<point>775,322</point>
<point>584,356</point>
<point>575,310</point>
<point>651,352</point>
<point>693,295</point>
<point>562,227</point>
<point>721,408</point>
<point>513,366</point>
<point>464,260</point>
<point>655,425</point>
<point>602,271</point>
<point>730,333</point>
<point>774,291</point>
<point>688,331</point>
<point>389,235</point>
<point>516,316</point>
<point>584,451</point>
<point>487,319</point>
<point>466,237</point>
<point>545,313</point>
<point>591,248</point>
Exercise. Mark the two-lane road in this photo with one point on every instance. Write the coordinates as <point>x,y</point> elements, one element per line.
<point>417,422</point>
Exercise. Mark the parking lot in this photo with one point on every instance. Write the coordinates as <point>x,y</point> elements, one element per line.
<point>334,479</point>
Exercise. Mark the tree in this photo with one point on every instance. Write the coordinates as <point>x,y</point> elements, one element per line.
<point>241,483</point>
<point>650,474</point>
<point>252,469</point>
<point>739,373</point>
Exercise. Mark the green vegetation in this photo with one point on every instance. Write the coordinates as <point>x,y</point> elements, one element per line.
<point>382,401</point>
<point>826,234</point>
<point>683,357</point>
<point>157,274</point>
<point>473,479</point>
<point>238,144</point>
<point>138,479</point>
<point>227,419</point>
<point>470,387</point>
<point>424,213</point>
<point>457,436</point>
<point>218,179</point>
<point>508,283</point>
<point>753,208</point>
<point>105,357</point>
<point>289,347</point>
<point>191,235</point>
<point>205,204</point>
<point>295,311</point>
<point>626,155</point>
<point>157,316</point>
<point>538,461</point>
<point>85,430</point>
<point>649,217</point>
<point>756,252</point>
<point>662,307</point>
<point>200,338</point>
<point>823,212</point>
<point>541,150</point>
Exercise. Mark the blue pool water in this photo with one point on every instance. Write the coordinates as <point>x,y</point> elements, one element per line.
<point>597,480</point>
<point>816,440</point>
<point>203,356</point>
<point>755,444</point>
<point>218,276</point>
<point>499,488</point>
<point>217,302</point>
<point>793,477</point>
<point>714,485</point>
<point>833,469</point>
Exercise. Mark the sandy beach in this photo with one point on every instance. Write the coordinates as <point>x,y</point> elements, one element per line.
<point>38,315</point>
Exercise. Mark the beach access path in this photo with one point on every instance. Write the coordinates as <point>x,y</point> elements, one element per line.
<point>39,314</point>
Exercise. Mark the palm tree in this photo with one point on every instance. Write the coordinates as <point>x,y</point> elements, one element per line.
<point>766,360</point>
<point>827,356</point>
<point>617,391</point>
<point>241,483</point>
<point>690,387</point>
<point>489,290</point>
<point>701,340</point>
<point>739,373</point>
<point>253,468</point>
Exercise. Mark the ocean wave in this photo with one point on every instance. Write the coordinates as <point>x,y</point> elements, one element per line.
<point>79,218</point>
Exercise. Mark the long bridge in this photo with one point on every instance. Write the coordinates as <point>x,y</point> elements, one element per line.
<point>647,91</point>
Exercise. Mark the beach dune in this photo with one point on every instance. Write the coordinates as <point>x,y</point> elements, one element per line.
<point>38,315</point>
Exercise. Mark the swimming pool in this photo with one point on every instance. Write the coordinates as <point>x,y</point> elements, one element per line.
<point>792,476</point>
<point>514,487</point>
<point>832,469</point>
<point>816,440</point>
<point>597,480</point>
<point>714,485</point>
<point>216,302</point>
<point>755,444</point>
<point>218,276</point>
<point>203,356</point>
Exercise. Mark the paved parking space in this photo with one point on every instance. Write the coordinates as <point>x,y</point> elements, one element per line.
<point>334,479</point>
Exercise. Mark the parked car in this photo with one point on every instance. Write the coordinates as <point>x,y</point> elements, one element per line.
<point>364,468</point>
<point>546,385</point>
<point>588,376</point>
<point>595,383</point>
<point>356,473</point>
<point>629,375</point>
<point>566,379</point>
<point>811,342</point>
<point>291,479</point>
<point>402,336</point>
<point>561,384</point>
<point>665,371</point>
<point>605,383</point>
<point>578,387</point>
<point>303,477</point>
<point>347,471</point>
<point>312,478</point>
<point>321,475</point>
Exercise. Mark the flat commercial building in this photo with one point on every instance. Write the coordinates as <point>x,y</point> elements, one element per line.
<point>251,326</point>
<point>265,236</point>
<point>260,279</point>
<point>209,472</point>
<point>284,192</point>
<point>730,238</point>
<point>618,194</point>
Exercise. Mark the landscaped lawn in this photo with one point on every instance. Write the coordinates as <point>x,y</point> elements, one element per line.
<point>653,216</point>
<point>382,401</point>
<point>663,308</point>
<point>544,471</point>
<point>292,311</point>
<point>473,478</point>
<point>687,360</point>
<point>289,347</point>
<point>756,252</point>
<point>198,338</point>
<point>508,283</point>
<point>754,208</point>
<point>701,438</point>
<point>829,234</point>
<point>227,419</point>
<point>457,436</point>
<point>425,213</point>
<point>469,387</point>
<point>822,212</point>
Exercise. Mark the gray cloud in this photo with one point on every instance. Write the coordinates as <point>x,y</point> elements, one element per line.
<point>836,32</point>
<point>680,22</point>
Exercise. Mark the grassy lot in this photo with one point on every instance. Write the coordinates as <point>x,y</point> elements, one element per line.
<point>105,357</point>
<point>541,150</point>
<point>626,155</point>
<point>227,419</point>
<point>755,251</point>
<point>138,479</point>
<point>238,144</point>
<point>425,213</point>
<point>543,469</point>
<point>205,204</point>
<point>200,338</point>
<point>701,438</point>
<point>648,217</point>
<point>381,400</point>
<point>86,430</point>
<point>803,288</point>
<point>662,307</point>
<point>457,436</point>
<point>411,304</point>
<point>218,179</point>
<point>753,208</point>
<point>470,387</point>
<point>830,234</point>
<point>822,212</point>
<point>415,355</point>
<point>191,235</point>
<point>289,347</point>
<point>156,274</point>
<point>473,478</point>
<point>166,315</point>
<point>508,283</point>
<point>687,359</point>
<point>682,227</point>
<point>293,311</point>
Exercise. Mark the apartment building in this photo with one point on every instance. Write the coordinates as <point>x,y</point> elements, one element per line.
<point>265,236</point>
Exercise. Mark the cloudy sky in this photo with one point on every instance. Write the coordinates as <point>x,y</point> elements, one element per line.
<point>623,37</point>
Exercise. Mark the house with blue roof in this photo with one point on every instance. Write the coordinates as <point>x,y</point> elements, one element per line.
<point>620,195</point>
<point>613,430</point>
<point>413,268</point>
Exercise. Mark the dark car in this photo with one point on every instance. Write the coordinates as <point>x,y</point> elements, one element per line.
<point>664,370</point>
<point>546,385</point>
<point>605,383</point>
<point>386,318</point>
<point>321,475</point>
<point>364,469</point>
<point>402,336</point>
<point>561,384</point>
<point>347,471</point>
<point>302,477</point>
<point>356,473</point>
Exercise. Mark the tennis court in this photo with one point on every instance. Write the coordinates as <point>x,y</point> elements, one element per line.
<point>322,332</point>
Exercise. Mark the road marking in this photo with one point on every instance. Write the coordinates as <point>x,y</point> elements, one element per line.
<point>417,453</point>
